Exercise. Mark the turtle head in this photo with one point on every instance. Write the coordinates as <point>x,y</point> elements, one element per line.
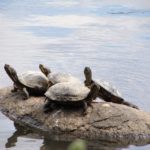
<point>44,69</point>
<point>88,76</point>
<point>11,72</point>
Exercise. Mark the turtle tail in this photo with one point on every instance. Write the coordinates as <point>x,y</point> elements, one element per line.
<point>130,104</point>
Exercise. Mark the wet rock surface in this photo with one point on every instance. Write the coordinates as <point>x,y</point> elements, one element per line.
<point>105,121</point>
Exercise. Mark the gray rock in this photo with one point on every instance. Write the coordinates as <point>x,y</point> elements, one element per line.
<point>105,121</point>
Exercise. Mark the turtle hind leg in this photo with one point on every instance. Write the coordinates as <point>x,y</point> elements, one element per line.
<point>130,104</point>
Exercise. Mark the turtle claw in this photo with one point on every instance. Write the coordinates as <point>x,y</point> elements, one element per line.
<point>25,98</point>
<point>14,90</point>
<point>84,113</point>
<point>46,110</point>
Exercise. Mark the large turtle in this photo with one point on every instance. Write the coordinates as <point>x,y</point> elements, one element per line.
<point>30,82</point>
<point>70,94</point>
<point>106,91</point>
<point>57,77</point>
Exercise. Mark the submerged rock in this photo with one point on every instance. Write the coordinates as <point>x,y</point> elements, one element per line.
<point>105,121</point>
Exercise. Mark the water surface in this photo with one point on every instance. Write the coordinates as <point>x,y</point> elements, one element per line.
<point>112,37</point>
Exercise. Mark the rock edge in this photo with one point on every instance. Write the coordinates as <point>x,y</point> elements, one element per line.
<point>105,121</point>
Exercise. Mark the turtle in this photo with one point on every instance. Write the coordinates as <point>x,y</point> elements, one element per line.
<point>107,92</point>
<point>30,82</point>
<point>57,77</point>
<point>70,94</point>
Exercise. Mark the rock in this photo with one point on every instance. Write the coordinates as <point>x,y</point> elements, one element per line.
<point>105,121</point>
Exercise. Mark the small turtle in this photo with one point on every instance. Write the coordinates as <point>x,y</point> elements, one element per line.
<point>106,91</point>
<point>70,94</point>
<point>30,82</point>
<point>57,77</point>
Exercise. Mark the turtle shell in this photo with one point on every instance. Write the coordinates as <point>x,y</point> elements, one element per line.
<point>112,89</point>
<point>67,91</point>
<point>34,79</point>
<point>62,77</point>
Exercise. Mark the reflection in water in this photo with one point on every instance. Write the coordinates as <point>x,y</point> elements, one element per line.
<point>58,143</point>
<point>78,144</point>
<point>48,144</point>
<point>20,131</point>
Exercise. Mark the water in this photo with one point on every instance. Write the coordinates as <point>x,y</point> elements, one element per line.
<point>112,37</point>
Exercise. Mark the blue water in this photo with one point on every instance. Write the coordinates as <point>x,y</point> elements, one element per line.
<point>110,36</point>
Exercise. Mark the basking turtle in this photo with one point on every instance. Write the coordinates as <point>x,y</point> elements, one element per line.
<point>70,94</point>
<point>30,82</point>
<point>57,77</point>
<point>106,91</point>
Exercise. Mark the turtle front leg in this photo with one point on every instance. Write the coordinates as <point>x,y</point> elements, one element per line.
<point>90,104</point>
<point>49,106</point>
<point>26,93</point>
<point>50,84</point>
<point>84,108</point>
<point>15,89</point>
